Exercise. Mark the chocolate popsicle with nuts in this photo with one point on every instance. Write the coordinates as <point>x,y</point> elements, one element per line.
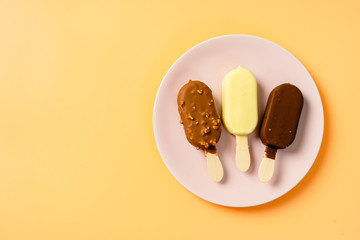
<point>201,123</point>
<point>279,124</point>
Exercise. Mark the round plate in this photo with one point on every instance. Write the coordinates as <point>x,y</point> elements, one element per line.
<point>209,62</point>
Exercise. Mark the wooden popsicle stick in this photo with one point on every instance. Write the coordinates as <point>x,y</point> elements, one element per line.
<point>215,168</point>
<point>242,153</point>
<point>266,169</point>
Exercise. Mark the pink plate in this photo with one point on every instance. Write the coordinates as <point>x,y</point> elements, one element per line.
<point>209,62</point>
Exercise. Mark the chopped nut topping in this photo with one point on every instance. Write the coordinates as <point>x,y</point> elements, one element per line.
<point>196,123</point>
<point>191,117</point>
<point>202,143</point>
<point>181,121</point>
<point>197,148</point>
<point>206,145</point>
<point>200,91</point>
<point>207,130</point>
<point>207,115</point>
<point>182,103</point>
<point>215,127</point>
<point>215,122</point>
<point>191,137</point>
<point>192,91</point>
<point>194,107</point>
<point>212,100</point>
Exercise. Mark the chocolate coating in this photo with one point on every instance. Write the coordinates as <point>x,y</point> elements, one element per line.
<point>198,115</point>
<point>281,118</point>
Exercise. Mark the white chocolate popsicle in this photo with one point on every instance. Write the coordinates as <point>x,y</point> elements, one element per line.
<point>240,111</point>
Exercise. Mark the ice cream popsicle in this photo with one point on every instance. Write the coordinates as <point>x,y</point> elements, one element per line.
<point>201,123</point>
<point>240,111</point>
<point>279,124</point>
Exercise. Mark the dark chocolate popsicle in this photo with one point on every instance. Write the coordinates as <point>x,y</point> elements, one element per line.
<point>279,125</point>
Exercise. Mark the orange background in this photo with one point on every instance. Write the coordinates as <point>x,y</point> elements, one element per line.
<point>78,80</point>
